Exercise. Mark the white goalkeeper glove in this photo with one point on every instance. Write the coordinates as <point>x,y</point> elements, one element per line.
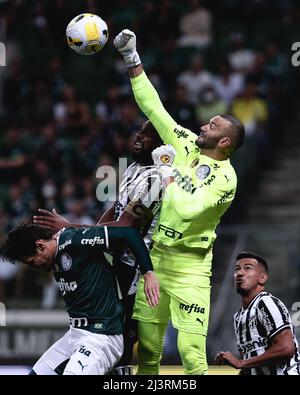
<point>125,42</point>
<point>163,158</point>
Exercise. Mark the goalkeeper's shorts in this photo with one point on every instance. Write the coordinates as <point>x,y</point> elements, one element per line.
<point>184,292</point>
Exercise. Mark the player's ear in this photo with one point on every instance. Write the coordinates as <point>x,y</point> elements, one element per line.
<point>40,244</point>
<point>263,278</point>
<point>224,142</point>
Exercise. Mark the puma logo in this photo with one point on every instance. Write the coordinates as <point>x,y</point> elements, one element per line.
<point>82,366</point>
<point>201,322</point>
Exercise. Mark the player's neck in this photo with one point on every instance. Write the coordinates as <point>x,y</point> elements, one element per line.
<point>247,298</point>
<point>213,154</point>
<point>145,161</point>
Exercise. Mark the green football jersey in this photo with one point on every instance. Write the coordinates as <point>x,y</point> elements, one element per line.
<point>87,282</point>
<point>203,189</point>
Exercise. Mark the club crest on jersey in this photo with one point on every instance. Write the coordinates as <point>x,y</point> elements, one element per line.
<point>66,261</point>
<point>202,172</point>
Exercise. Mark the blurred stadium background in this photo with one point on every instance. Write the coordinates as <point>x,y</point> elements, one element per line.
<point>63,115</point>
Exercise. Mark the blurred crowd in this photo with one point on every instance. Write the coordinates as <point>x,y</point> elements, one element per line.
<point>63,115</point>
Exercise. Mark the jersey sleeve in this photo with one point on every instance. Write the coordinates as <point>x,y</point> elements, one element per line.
<point>106,238</point>
<point>134,241</point>
<point>273,315</point>
<point>151,105</point>
<point>189,206</point>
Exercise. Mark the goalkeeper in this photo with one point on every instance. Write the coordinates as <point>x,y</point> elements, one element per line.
<point>199,187</point>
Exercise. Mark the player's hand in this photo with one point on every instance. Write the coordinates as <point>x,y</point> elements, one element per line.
<point>163,158</point>
<point>227,358</point>
<point>164,155</point>
<point>125,42</point>
<point>151,289</point>
<point>51,220</point>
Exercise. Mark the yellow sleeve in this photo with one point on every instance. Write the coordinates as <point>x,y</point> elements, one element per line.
<point>189,206</point>
<point>149,102</point>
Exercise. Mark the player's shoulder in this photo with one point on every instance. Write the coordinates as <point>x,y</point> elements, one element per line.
<point>266,298</point>
<point>183,135</point>
<point>223,173</point>
<point>65,238</point>
<point>227,173</point>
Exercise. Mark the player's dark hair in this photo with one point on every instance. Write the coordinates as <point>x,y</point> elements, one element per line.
<point>237,130</point>
<point>21,241</point>
<point>258,258</point>
<point>148,126</point>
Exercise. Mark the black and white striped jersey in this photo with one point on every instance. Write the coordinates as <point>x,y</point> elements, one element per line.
<point>255,326</point>
<point>144,182</point>
<point>141,181</point>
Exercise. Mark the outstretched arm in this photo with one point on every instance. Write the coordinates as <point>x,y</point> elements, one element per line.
<point>146,95</point>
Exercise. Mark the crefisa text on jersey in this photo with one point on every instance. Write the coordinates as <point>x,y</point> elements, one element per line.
<point>92,242</point>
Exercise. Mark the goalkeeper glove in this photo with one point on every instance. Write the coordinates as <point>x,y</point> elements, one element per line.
<point>125,42</point>
<point>163,158</point>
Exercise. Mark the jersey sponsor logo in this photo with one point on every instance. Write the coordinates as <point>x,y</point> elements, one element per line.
<point>78,322</point>
<point>201,321</point>
<point>66,287</point>
<point>84,351</point>
<point>187,150</point>
<point>186,182</point>
<point>92,242</point>
<point>65,244</point>
<point>181,133</point>
<point>284,311</point>
<point>266,319</point>
<point>169,232</point>
<point>253,345</point>
<point>66,261</point>
<point>210,180</point>
<point>203,172</point>
<point>193,308</point>
<point>98,325</point>
<point>224,197</point>
<point>82,366</point>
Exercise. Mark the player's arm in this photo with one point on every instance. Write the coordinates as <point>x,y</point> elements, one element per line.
<point>146,96</point>
<point>189,205</point>
<point>52,220</point>
<point>107,238</point>
<point>282,348</point>
<point>108,216</point>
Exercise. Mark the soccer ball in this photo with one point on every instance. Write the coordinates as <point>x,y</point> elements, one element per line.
<point>87,34</point>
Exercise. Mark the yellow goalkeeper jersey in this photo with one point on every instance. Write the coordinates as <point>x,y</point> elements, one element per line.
<point>203,189</point>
